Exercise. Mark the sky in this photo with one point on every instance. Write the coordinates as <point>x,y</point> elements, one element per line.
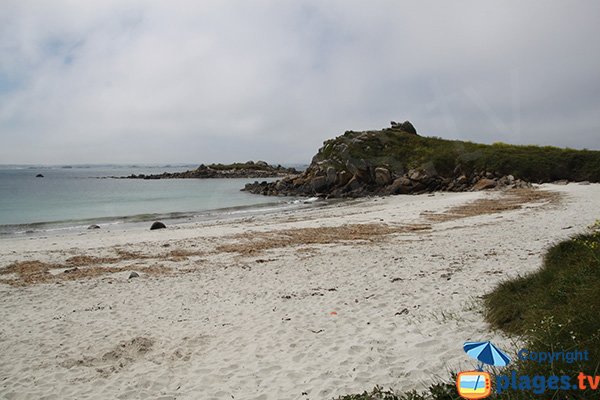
<point>125,81</point>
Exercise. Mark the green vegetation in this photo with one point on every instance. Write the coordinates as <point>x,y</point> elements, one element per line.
<point>554,309</point>
<point>437,391</point>
<point>400,151</point>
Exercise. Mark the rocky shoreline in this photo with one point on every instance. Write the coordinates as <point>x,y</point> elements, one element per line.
<point>380,181</point>
<point>249,169</point>
<point>336,173</point>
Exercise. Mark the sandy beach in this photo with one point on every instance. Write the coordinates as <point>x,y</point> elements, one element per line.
<point>305,304</point>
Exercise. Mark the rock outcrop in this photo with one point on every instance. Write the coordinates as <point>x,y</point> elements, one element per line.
<point>249,169</point>
<point>391,161</point>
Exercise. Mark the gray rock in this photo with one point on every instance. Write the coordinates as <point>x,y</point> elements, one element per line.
<point>401,185</point>
<point>344,177</point>
<point>331,176</point>
<point>417,175</point>
<point>319,183</point>
<point>39,176</point>
<point>93,227</point>
<point>353,184</point>
<point>359,169</point>
<point>382,176</point>
<point>134,275</point>
<point>519,184</point>
<point>407,127</point>
<point>157,225</point>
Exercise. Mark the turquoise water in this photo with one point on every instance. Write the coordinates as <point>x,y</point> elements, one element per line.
<point>80,195</point>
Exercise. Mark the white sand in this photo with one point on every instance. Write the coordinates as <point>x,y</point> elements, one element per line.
<point>224,326</point>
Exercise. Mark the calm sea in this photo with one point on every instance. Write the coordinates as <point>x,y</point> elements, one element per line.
<point>77,196</point>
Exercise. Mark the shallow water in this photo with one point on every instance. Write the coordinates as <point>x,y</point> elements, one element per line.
<point>80,195</point>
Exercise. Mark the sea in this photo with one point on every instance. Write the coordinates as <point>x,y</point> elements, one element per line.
<point>75,197</point>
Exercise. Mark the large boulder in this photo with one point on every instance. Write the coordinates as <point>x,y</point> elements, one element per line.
<point>383,176</point>
<point>319,183</point>
<point>352,185</point>
<point>405,126</point>
<point>344,177</point>
<point>331,176</point>
<point>359,169</point>
<point>485,183</point>
<point>402,185</point>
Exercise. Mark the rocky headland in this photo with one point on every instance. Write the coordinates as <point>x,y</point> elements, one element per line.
<point>249,169</point>
<point>396,160</point>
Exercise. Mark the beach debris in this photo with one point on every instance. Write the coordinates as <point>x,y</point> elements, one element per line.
<point>157,225</point>
<point>39,176</point>
<point>396,279</point>
<point>402,312</point>
<point>333,313</point>
<point>93,227</point>
<point>316,332</point>
<point>71,270</point>
<point>134,275</point>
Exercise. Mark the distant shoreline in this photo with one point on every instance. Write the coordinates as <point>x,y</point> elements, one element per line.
<point>249,169</point>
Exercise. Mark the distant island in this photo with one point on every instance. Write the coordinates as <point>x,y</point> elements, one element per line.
<point>396,160</point>
<point>249,169</point>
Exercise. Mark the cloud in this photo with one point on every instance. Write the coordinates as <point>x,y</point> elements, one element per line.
<point>183,81</point>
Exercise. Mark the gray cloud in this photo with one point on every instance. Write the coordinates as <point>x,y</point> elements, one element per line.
<point>184,81</point>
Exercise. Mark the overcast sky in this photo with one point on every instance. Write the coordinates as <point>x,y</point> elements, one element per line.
<point>202,81</point>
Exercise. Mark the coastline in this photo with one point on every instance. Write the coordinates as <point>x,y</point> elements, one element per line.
<point>320,300</point>
<point>128,222</point>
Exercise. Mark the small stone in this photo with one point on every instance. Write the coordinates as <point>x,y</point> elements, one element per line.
<point>93,227</point>
<point>157,225</point>
<point>134,275</point>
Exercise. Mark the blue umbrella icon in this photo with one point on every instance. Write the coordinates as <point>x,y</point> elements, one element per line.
<point>486,353</point>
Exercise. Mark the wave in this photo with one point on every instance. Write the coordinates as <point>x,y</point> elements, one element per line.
<point>38,228</point>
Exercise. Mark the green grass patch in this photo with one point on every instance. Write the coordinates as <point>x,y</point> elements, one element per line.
<point>400,151</point>
<point>556,308</point>
<point>437,391</point>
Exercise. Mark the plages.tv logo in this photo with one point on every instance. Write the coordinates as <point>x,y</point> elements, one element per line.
<point>477,384</point>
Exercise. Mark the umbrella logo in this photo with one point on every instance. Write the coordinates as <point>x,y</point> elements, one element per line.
<point>478,384</point>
